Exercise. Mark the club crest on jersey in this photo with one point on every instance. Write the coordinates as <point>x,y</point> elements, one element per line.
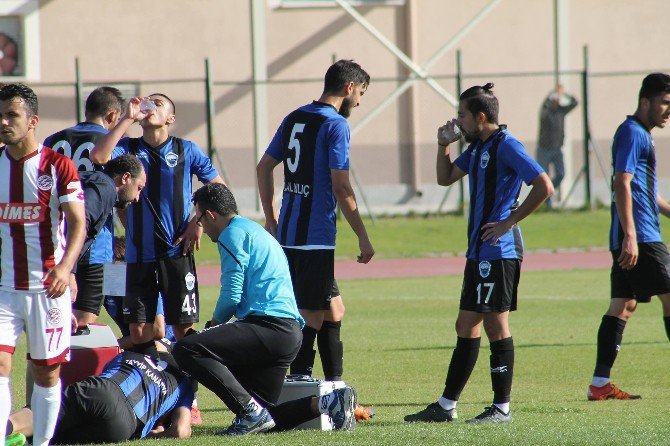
<point>484,161</point>
<point>190,281</point>
<point>54,316</point>
<point>484,269</point>
<point>171,159</point>
<point>45,182</point>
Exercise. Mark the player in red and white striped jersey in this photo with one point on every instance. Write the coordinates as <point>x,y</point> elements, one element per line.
<point>38,187</point>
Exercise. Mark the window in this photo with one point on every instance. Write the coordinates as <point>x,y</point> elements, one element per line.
<point>19,39</point>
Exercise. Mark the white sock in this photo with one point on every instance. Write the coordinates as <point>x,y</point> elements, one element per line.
<point>45,404</point>
<point>257,408</point>
<point>324,402</point>
<point>504,407</point>
<point>195,402</point>
<point>447,404</point>
<point>599,381</point>
<point>5,404</point>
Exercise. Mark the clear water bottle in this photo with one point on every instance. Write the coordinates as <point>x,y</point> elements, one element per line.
<point>457,131</point>
<point>147,106</point>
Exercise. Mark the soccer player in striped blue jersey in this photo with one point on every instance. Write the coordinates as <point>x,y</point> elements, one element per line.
<point>496,163</point>
<point>160,236</point>
<point>640,259</point>
<point>313,144</point>
<point>134,397</point>
<point>102,111</point>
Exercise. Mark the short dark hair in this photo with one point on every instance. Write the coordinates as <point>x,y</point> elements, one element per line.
<point>124,163</point>
<point>174,109</point>
<point>102,100</point>
<point>215,197</point>
<point>341,73</point>
<point>481,99</point>
<point>11,91</point>
<point>654,84</point>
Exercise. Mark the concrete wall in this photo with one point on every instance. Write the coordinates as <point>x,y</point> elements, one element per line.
<point>160,42</point>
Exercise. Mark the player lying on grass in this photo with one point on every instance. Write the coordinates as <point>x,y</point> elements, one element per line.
<point>134,397</point>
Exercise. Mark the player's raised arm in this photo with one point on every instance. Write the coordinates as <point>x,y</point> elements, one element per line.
<point>447,172</point>
<point>102,152</point>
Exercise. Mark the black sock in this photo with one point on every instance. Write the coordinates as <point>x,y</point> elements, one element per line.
<point>610,335</point>
<point>10,428</point>
<point>502,369</point>
<point>331,350</point>
<point>304,361</point>
<point>666,321</point>
<point>463,361</point>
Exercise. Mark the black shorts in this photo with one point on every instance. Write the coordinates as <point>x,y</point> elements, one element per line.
<point>94,411</point>
<point>89,288</point>
<point>650,277</point>
<point>114,307</point>
<point>312,274</point>
<point>175,278</point>
<point>490,286</point>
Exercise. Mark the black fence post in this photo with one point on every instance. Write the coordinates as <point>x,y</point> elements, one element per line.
<point>587,131</point>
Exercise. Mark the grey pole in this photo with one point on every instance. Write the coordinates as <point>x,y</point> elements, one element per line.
<point>259,65</point>
<point>78,90</point>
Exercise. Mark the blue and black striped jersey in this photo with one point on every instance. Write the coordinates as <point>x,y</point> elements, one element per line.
<point>633,152</point>
<point>152,389</point>
<point>161,215</point>
<point>76,143</point>
<point>496,168</point>
<point>311,141</point>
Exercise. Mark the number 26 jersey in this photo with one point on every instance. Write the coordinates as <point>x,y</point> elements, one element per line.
<point>76,143</point>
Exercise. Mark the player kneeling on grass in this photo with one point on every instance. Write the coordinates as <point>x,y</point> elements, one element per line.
<point>134,397</point>
<point>245,362</point>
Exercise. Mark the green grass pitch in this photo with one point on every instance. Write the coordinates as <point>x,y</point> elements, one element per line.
<point>399,335</point>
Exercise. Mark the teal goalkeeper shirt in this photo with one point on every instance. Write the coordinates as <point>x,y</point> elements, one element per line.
<point>255,279</point>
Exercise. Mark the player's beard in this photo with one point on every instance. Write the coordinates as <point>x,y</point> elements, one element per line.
<point>345,108</point>
<point>470,137</point>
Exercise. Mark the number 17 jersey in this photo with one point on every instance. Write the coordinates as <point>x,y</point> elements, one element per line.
<point>310,142</point>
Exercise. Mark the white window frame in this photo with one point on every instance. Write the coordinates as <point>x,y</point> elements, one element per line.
<point>28,13</point>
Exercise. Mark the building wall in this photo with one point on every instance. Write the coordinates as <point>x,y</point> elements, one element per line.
<point>163,44</point>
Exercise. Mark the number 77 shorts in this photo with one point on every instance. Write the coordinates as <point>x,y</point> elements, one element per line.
<point>47,323</point>
<point>490,285</point>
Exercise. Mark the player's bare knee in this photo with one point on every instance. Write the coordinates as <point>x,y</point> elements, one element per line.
<point>5,364</point>
<point>141,332</point>
<point>464,329</point>
<point>337,310</point>
<point>46,375</point>
<point>84,317</point>
<point>622,308</point>
<point>495,330</point>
